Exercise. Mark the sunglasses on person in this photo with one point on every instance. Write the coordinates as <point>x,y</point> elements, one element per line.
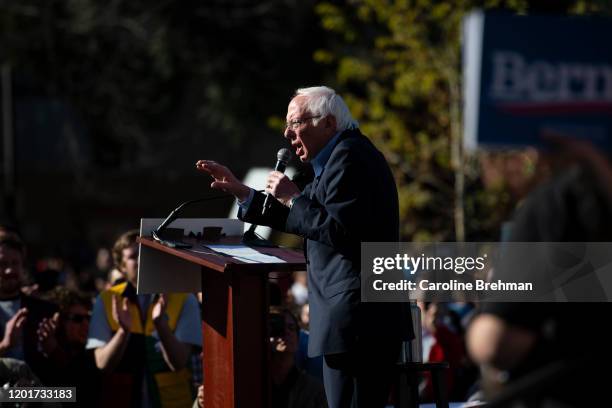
<point>78,318</point>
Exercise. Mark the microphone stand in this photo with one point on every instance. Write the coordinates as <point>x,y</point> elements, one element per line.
<point>157,233</point>
<point>249,237</point>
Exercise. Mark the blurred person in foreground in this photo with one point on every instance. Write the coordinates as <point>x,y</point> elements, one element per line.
<point>20,314</point>
<point>62,339</point>
<point>515,341</point>
<point>16,373</point>
<point>142,343</point>
<point>352,199</point>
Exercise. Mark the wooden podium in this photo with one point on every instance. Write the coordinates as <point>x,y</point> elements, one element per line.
<point>234,309</point>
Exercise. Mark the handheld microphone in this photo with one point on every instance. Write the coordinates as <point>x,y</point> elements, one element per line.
<point>282,158</point>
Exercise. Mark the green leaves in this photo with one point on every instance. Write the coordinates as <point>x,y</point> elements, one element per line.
<point>353,69</point>
<point>397,63</point>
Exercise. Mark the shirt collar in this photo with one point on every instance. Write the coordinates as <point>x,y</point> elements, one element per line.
<point>319,162</point>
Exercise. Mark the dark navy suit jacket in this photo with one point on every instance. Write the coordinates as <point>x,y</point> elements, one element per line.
<point>353,200</point>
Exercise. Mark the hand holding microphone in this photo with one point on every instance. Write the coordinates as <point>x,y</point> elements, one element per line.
<point>278,184</point>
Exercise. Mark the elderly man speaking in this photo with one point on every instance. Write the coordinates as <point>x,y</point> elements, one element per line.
<point>352,199</point>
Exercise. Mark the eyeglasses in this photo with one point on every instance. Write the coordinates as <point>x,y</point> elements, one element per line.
<point>295,124</point>
<point>78,318</point>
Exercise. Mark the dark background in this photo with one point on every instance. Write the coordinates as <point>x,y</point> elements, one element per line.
<point>113,102</point>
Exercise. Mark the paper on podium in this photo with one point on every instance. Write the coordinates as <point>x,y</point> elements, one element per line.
<point>244,253</point>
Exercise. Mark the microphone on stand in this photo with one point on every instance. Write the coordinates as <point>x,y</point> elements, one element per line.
<point>282,158</point>
<point>157,233</point>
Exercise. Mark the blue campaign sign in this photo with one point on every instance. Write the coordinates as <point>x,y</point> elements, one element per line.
<point>524,75</point>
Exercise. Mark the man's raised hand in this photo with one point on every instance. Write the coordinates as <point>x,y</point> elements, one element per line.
<point>224,179</point>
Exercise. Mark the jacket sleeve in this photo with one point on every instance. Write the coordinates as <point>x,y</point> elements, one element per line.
<point>336,221</point>
<point>276,217</point>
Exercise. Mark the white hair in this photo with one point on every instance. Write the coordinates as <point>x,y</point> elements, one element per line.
<point>323,101</point>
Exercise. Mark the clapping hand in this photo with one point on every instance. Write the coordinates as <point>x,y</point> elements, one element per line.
<point>13,328</point>
<point>121,313</point>
<point>159,309</point>
<point>47,334</point>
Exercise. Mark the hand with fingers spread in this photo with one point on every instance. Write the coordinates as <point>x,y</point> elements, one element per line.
<point>13,329</point>
<point>281,187</point>
<point>175,352</point>
<point>121,313</point>
<point>110,355</point>
<point>224,179</point>
<point>47,334</point>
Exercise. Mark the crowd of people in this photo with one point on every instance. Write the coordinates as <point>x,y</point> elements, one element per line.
<point>122,349</point>
<point>116,347</point>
